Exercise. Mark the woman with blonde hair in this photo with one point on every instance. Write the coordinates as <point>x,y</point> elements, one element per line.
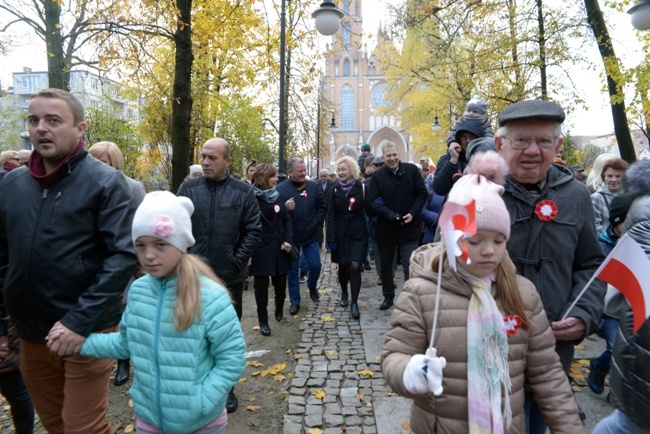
<point>109,153</point>
<point>595,180</point>
<point>347,232</point>
<point>10,161</point>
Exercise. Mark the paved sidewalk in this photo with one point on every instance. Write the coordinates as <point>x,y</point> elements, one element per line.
<point>335,351</point>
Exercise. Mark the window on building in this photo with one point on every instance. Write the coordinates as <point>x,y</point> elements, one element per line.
<point>346,36</point>
<point>346,67</point>
<point>346,100</point>
<point>346,6</point>
<point>31,83</point>
<point>94,83</point>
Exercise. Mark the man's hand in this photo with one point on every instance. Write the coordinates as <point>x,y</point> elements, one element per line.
<point>569,329</point>
<point>285,247</point>
<point>64,342</point>
<point>290,204</point>
<point>408,218</point>
<point>4,347</point>
<point>454,152</point>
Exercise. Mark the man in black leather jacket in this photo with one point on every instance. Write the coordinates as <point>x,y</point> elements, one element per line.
<point>226,222</point>
<point>65,258</point>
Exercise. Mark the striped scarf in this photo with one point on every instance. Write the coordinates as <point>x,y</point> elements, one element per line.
<point>487,360</point>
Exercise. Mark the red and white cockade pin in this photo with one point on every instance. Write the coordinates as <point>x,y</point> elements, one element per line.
<point>512,322</point>
<point>276,208</point>
<point>546,210</point>
<point>304,193</point>
<point>352,201</point>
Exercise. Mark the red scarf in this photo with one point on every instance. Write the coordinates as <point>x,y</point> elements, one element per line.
<point>8,166</point>
<point>37,166</point>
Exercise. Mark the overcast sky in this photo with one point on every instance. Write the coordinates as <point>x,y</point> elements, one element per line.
<point>28,51</point>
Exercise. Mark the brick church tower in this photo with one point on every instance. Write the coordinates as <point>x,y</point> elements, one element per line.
<point>354,85</point>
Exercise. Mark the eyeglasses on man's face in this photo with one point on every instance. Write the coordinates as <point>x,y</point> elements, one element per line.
<point>523,143</point>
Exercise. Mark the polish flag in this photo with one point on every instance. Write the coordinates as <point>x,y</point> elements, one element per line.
<point>432,166</point>
<point>627,268</point>
<point>455,221</point>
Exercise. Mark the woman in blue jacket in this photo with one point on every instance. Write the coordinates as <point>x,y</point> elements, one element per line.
<point>179,328</point>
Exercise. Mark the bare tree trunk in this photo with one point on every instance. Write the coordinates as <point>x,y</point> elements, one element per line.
<point>58,69</point>
<point>182,94</point>
<point>541,40</point>
<point>621,128</point>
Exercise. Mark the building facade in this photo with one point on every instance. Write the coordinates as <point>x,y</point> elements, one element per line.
<point>355,87</point>
<point>92,90</point>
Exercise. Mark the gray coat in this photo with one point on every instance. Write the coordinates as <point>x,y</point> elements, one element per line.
<point>601,200</point>
<point>558,256</point>
<point>630,371</point>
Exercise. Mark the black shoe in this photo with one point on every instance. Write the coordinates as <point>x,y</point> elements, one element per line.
<point>122,374</point>
<point>366,266</point>
<point>313,293</point>
<point>596,378</point>
<point>265,329</point>
<point>387,303</point>
<point>344,299</point>
<point>354,311</point>
<point>232,403</point>
<point>294,309</point>
<point>278,315</point>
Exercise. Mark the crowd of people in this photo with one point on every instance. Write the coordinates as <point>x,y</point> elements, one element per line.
<point>94,269</point>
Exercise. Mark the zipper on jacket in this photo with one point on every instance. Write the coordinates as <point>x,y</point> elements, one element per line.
<point>34,312</point>
<point>210,223</point>
<point>56,203</point>
<point>156,354</point>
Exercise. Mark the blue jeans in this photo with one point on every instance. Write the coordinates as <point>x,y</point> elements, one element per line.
<point>312,257</point>
<point>618,423</point>
<point>608,330</point>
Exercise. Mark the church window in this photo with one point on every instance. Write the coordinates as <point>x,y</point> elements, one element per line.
<point>346,36</point>
<point>346,67</point>
<point>347,108</point>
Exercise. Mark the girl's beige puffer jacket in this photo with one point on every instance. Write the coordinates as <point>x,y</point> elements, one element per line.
<point>532,357</point>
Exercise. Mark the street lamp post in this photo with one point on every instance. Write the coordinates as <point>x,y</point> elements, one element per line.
<point>283,45</point>
<point>327,18</point>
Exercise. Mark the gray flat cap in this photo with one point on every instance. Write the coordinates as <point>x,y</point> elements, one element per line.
<point>377,161</point>
<point>531,109</point>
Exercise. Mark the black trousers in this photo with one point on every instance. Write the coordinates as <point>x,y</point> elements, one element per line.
<point>261,286</point>
<point>387,253</point>
<point>237,293</point>
<point>22,410</point>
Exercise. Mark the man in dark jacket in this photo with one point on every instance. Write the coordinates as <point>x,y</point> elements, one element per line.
<point>553,241</point>
<point>304,201</point>
<point>396,196</point>
<point>66,256</point>
<point>225,223</point>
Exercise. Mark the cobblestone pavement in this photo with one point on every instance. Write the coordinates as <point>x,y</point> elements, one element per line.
<point>340,357</point>
<point>338,386</point>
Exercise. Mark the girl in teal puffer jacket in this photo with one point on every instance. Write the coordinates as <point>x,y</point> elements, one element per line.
<point>179,328</point>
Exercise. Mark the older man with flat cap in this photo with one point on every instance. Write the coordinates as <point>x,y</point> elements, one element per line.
<point>553,242</point>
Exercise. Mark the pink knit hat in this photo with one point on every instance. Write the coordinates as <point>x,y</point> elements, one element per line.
<point>491,211</point>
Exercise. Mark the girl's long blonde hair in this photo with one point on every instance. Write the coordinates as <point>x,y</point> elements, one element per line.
<point>507,289</point>
<point>188,296</point>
